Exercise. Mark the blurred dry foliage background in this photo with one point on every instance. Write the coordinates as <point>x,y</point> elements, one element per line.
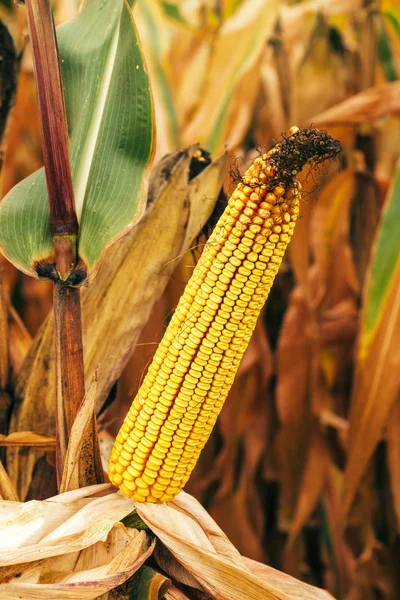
<point>303,468</point>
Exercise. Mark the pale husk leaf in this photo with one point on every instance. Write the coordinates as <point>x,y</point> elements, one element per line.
<point>296,590</point>
<point>42,529</point>
<point>186,529</point>
<point>82,575</point>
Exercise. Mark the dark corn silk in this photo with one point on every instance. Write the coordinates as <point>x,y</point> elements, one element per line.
<point>196,362</point>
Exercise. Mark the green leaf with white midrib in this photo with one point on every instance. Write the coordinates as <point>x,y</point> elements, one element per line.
<point>109,111</point>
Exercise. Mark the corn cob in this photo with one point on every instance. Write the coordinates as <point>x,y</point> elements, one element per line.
<point>194,367</point>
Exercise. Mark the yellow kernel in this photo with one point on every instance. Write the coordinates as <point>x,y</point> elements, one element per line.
<point>155,494</point>
<point>117,478</point>
<point>147,480</point>
<point>130,485</point>
<point>166,497</point>
<point>138,497</point>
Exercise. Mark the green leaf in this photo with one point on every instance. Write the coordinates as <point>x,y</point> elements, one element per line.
<point>134,521</point>
<point>154,29</point>
<point>392,13</point>
<point>172,11</point>
<point>148,584</point>
<point>110,122</point>
<point>377,375</point>
<point>385,265</point>
<point>385,55</point>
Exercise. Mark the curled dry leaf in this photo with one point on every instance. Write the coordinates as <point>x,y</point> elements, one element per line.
<point>63,524</point>
<point>372,104</point>
<point>70,546</point>
<point>83,574</point>
<point>197,542</point>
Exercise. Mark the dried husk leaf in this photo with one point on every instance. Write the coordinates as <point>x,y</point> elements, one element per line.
<point>173,593</point>
<point>201,547</point>
<point>63,524</point>
<point>296,590</point>
<point>82,575</point>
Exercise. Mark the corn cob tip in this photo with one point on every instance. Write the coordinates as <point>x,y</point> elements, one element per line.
<point>195,364</point>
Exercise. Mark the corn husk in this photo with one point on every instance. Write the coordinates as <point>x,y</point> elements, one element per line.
<point>70,546</point>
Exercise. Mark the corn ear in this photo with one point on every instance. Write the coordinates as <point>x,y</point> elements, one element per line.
<point>196,362</point>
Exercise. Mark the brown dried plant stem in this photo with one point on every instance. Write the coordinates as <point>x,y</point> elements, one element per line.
<point>69,363</point>
<point>64,230</point>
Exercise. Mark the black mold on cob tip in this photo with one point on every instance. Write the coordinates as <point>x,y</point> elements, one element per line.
<point>298,148</point>
<point>303,146</point>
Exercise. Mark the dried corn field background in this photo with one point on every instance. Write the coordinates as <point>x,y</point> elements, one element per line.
<point>302,471</point>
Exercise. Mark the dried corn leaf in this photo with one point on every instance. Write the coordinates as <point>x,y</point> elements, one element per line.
<point>377,380</point>
<point>169,564</point>
<point>201,547</point>
<point>295,16</point>
<point>60,525</point>
<point>252,23</point>
<point>314,477</point>
<point>174,593</point>
<point>393,441</point>
<point>316,70</point>
<point>7,491</point>
<point>156,39</point>
<point>372,104</point>
<point>28,438</point>
<point>20,340</point>
<point>79,432</point>
<point>295,589</point>
<point>81,575</point>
